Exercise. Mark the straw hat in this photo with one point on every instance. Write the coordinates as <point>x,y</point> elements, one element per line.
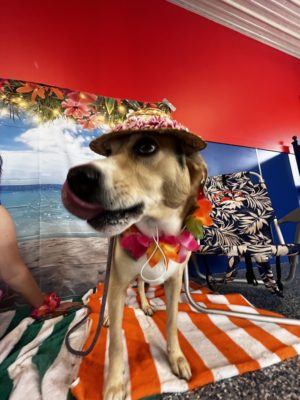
<point>150,121</point>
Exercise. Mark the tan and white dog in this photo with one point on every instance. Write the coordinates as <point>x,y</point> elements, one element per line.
<point>150,179</point>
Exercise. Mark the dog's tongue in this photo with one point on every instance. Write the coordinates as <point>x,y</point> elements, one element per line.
<point>77,206</point>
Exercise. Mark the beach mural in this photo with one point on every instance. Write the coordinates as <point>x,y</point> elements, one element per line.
<point>44,131</point>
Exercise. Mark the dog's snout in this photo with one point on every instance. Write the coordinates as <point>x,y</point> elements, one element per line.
<point>84,181</point>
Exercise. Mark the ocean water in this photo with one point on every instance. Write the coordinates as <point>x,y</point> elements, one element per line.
<point>38,212</point>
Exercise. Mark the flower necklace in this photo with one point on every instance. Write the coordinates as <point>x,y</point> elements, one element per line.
<point>162,249</point>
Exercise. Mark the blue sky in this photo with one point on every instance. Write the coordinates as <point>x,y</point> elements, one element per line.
<point>42,153</point>
<point>9,130</point>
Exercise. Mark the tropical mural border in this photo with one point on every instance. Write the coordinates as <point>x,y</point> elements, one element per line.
<point>46,103</point>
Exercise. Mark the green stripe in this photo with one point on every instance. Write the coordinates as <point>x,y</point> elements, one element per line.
<point>70,396</point>
<point>50,348</point>
<point>6,384</point>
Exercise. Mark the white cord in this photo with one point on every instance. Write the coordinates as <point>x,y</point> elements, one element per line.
<point>156,241</point>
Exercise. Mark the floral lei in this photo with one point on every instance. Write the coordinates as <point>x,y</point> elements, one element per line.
<point>170,247</point>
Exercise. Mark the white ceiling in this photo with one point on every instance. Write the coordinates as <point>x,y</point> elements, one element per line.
<point>273,22</point>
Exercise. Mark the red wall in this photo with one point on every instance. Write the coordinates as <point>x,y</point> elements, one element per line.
<point>226,87</point>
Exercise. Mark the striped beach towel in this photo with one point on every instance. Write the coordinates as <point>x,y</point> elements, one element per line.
<point>217,347</point>
<point>35,364</point>
<point>34,361</point>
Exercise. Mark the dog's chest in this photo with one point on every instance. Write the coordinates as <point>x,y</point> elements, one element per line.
<point>159,273</point>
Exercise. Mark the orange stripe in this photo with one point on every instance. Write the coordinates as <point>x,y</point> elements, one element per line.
<point>94,302</point>
<point>91,371</point>
<point>295,330</point>
<point>140,359</point>
<point>203,298</point>
<point>159,291</point>
<point>267,312</point>
<point>201,375</point>
<point>231,350</point>
<point>92,366</point>
<point>268,340</point>
<point>265,338</point>
<point>237,299</point>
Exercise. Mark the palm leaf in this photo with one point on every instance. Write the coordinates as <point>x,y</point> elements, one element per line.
<point>109,104</point>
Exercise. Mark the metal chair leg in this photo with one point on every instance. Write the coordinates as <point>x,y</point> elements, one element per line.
<point>243,315</point>
<point>217,280</point>
<point>293,216</point>
<point>293,261</point>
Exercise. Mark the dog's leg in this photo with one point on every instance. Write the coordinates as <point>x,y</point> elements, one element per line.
<point>114,387</point>
<point>146,307</point>
<point>106,319</point>
<point>179,363</point>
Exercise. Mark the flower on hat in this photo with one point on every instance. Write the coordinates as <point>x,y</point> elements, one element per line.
<point>148,119</point>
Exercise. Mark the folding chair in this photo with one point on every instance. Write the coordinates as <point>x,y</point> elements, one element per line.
<point>293,216</point>
<point>243,217</point>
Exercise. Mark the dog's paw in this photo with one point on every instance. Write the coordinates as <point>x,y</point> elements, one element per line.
<point>180,367</point>
<point>115,391</point>
<point>148,310</point>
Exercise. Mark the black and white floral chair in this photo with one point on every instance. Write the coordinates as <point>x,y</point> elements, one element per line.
<point>243,218</point>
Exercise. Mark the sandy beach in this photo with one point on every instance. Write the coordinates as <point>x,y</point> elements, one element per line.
<point>67,266</point>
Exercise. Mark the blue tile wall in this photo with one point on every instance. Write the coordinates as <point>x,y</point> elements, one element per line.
<point>223,159</point>
<point>277,172</point>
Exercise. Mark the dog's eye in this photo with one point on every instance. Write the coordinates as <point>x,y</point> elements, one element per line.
<point>146,146</point>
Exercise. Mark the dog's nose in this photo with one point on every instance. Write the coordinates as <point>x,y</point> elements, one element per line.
<point>84,181</point>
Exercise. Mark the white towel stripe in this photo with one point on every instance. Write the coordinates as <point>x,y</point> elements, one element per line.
<point>56,382</point>
<point>217,298</point>
<point>246,309</point>
<point>11,339</point>
<point>251,346</point>
<point>280,333</point>
<point>158,347</point>
<point>26,384</point>
<point>212,357</point>
<point>131,298</point>
<point>151,292</point>
<point>157,303</point>
<point>23,372</point>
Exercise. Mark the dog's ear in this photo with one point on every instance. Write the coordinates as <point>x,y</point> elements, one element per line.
<point>198,171</point>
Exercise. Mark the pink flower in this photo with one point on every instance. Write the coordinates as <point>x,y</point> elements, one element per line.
<point>4,82</point>
<point>89,123</point>
<point>82,97</point>
<point>75,109</point>
<point>154,122</point>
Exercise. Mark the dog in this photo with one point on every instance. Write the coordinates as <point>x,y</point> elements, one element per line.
<point>149,179</point>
